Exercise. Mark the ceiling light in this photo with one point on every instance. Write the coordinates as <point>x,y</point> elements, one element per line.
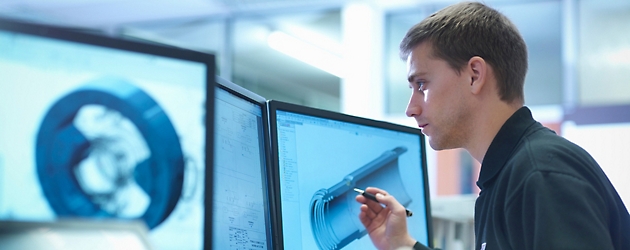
<point>306,52</point>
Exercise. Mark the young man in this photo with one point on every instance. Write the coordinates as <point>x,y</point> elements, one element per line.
<point>466,69</point>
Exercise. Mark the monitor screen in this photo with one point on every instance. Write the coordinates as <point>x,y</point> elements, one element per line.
<point>98,127</point>
<point>240,201</point>
<point>319,157</point>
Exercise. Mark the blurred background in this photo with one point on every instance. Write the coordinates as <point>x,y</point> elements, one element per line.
<point>342,55</point>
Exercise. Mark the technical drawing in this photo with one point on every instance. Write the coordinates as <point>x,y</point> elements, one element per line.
<point>239,212</point>
<point>334,210</point>
<point>108,149</point>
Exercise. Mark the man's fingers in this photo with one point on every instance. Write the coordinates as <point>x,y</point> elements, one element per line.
<point>367,211</point>
<point>391,203</point>
<point>371,219</point>
<point>375,190</point>
<point>373,205</point>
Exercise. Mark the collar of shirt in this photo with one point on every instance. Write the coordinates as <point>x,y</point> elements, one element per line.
<point>503,144</point>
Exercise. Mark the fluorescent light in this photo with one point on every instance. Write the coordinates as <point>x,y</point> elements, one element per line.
<point>306,52</point>
<point>315,38</point>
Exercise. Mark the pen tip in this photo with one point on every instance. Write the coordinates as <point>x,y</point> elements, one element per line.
<point>358,190</point>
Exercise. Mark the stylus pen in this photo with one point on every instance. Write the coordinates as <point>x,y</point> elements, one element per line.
<point>370,196</point>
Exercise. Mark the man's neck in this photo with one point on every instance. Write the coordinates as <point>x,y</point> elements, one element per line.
<point>490,121</point>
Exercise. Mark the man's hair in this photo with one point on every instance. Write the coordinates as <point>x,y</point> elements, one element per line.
<point>461,31</point>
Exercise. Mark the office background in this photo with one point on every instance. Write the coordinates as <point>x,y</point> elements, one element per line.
<point>577,83</point>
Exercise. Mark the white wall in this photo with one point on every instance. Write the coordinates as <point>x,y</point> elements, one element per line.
<point>609,144</point>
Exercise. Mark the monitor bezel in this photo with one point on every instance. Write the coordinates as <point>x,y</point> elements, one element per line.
<point>274,105</point>
<point>81,36</point>
<point>252,97</point>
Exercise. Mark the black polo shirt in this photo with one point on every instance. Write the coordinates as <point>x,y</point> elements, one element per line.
<point>540,191</point>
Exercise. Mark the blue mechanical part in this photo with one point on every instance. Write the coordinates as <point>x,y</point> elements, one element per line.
<point>62,147</point>
<point>334,212</point>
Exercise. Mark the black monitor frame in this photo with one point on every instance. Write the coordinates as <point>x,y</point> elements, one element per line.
<point>78,35</point>
<point>274,106</point>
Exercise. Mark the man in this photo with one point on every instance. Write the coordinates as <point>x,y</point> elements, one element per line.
<point>466,69</point>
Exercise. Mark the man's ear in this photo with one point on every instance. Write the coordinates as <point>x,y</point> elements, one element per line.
<point>478,73</point>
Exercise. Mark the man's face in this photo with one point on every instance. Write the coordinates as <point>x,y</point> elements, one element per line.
<point>439,99</point>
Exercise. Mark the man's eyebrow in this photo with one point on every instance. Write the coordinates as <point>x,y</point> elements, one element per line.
<point>411,77</point>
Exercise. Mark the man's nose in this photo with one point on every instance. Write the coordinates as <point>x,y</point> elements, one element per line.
<point>413,108</point>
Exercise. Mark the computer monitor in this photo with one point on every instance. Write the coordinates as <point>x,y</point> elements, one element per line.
<point>98,127</point>
<point>320,156</point>
<point>241,197</point>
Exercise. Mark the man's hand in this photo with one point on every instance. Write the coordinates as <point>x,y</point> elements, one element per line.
<point>386,226</point>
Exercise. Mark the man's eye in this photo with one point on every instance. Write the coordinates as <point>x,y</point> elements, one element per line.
<point>420,85</point>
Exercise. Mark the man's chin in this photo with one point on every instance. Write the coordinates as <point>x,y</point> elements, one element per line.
<point>434,145</point>
<point>437,145</point>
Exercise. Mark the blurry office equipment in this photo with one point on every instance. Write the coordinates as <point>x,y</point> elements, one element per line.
<point>73,234</point>
<point>103,128</point>
<point>453,226</point>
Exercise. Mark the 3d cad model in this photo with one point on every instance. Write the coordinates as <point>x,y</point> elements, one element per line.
<point>108,150</point>
<point>334,211</point>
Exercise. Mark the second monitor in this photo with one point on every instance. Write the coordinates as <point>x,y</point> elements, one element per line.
<point>319,157</point>
<point>240,202</point>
